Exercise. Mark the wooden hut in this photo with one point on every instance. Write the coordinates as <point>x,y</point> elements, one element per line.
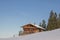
<point>32,28</point>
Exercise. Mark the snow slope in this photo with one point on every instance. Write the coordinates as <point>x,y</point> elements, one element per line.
<point>48,35</point>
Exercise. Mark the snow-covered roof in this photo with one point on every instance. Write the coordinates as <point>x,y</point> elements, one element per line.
<point>38,26</point>
<point>35,26</point>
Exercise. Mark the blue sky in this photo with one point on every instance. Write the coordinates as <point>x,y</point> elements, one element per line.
<point>15,13</point>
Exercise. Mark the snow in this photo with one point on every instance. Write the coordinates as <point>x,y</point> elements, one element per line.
<point>38,26</point>
<point>47,35</point>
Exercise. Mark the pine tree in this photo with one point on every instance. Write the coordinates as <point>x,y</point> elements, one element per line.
<point>40,24</point>
<point>59,17</point>
<point>52,22</point>
<point>43,24</point>
<point>58,21</point>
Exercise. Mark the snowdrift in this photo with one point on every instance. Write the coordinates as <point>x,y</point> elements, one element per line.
<point>48,35</point>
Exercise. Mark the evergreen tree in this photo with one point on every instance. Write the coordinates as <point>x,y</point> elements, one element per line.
<point>40,24</point>
<point>59,16</point>
<point>58,21</point>
<point>55,14</point>
<point>43,24</point>
<point>52,22</point>
<point>51,14</point>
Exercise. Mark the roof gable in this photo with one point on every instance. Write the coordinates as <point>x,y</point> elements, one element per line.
<point>37,26</point>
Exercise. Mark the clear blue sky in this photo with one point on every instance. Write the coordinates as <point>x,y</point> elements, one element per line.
<point>15,13</point>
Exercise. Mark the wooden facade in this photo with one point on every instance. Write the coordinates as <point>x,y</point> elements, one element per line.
<point>29,28</point>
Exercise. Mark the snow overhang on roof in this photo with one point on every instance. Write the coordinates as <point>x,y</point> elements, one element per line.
<point>38,26</point>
